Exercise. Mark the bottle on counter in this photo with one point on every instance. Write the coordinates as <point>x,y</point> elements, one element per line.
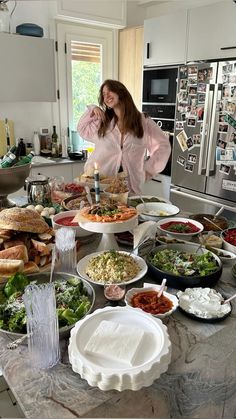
<point>26,159</point>
<point>7,129</point>
<point>21,148</point>
<point>64,143</point>
<point>12,150</point>
<point>36,143</point>
<point>55,148</point>
<point>8,161</point>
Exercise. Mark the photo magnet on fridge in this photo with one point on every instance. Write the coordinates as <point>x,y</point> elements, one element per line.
<point>189,167</point>
<point>182,140</point>
<point>181,160</point>
<point>192,158</point>
<point>224,169</point>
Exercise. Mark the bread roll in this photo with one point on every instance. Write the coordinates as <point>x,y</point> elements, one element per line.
<point>22,219</point>
<point>10,266</point>
<point>17,252</point>
<point>30,267</point>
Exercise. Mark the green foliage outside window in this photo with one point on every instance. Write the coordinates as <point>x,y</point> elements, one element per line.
<point>86,80</point>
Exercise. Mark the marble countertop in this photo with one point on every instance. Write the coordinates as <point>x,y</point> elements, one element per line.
<point>199,383</point>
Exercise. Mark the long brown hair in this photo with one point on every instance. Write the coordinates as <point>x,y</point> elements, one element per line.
<point>132,118</point>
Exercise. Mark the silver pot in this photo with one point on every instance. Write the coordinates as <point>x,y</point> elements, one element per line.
<point>38,190</point>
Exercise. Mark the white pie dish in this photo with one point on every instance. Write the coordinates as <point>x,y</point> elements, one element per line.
<point>130,293</point>
<point>154,211</point>
<point>153,356</point>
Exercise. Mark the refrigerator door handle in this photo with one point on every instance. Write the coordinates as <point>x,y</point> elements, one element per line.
<point>210,166</point>
<point>203,147</point>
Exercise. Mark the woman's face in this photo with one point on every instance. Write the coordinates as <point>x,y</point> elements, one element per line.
<point>110,98</point>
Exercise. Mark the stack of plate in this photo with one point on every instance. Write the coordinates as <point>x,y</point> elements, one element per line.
<point>144,360</point>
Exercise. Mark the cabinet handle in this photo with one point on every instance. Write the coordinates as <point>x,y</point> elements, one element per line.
<point>224,48</point>
<point>148,49</point>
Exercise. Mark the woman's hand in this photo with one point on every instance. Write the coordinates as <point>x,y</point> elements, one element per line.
<point>98,113</point>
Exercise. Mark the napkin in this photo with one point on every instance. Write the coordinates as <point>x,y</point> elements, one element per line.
<point>144,231</point>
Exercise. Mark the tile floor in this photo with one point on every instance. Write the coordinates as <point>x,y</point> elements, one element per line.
<point>8,405</point>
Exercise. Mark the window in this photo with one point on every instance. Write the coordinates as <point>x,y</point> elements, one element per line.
<point>87,55</point>
<point>86,76</point>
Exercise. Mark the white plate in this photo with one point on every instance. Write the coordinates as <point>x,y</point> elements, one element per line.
<point>151,210</point>
<point>82,264</point>
<point>152,359</point>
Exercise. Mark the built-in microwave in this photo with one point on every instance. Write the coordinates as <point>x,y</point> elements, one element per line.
<point>159,84</point>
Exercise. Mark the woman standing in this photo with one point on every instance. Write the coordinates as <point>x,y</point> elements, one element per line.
<point>124,138</point>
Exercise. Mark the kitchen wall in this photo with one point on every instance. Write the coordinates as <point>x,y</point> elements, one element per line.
<point>30,116</point>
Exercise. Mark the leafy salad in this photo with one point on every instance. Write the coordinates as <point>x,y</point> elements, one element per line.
<point>183,263</point>
<point>72,301</point>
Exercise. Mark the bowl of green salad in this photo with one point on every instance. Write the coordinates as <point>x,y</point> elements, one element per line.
<point>184,265</point>
<point>74,299</point>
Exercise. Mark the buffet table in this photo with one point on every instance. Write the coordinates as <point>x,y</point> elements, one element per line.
<point>200,381</point>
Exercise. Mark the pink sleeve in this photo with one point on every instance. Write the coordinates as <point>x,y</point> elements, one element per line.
<point>159,148</point>
<point>88,126</point>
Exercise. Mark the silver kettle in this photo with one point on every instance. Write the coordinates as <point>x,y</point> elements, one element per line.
<point>38,190</point>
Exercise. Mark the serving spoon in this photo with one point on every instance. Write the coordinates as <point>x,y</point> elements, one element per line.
<point>207,219</point>
<point>229,299</point>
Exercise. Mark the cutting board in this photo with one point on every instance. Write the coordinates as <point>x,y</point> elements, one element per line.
<point>3,139</point>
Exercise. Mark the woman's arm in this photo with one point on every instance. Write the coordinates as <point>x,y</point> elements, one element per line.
<point>89,123</point>
<point>159,148</point>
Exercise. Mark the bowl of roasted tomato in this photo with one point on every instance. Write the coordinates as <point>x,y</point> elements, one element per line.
<point>147,299</point>
<point>66,219</point>
<point>229,239</point>
<point>180,227</point>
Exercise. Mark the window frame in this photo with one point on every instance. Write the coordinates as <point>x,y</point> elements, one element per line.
<point>65,32</point>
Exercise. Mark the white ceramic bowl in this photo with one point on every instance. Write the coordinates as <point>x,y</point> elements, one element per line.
<point>154,211</point>
<point>179,235</point>
<point>226,257</point>
<point>172,298</point>
<point>79,231</point>
<point>226,245</point>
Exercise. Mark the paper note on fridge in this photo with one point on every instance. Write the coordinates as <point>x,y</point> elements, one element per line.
<point>227,155</point>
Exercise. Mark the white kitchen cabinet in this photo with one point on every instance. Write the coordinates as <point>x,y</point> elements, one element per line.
<point>165,39</point>
<point>68,170</point>
<point>100,12</point>
<point>27,70</point>
<point>64,170</point>
<point>131,61</point>
<point>212,32</point>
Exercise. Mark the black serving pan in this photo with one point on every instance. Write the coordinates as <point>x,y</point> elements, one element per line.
<point>203,319</point>
<point>182,282</point>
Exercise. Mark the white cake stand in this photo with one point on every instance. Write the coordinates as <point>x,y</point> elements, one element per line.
<point>108,240</point>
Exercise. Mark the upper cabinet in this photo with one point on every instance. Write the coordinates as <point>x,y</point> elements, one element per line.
<point>212,32</point>
<point>165,39</point>
<point>104,12</point>
<point>131,61</point>
<point>27,70</point>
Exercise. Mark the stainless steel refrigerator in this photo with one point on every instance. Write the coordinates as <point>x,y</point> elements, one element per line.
<point>204,146</point>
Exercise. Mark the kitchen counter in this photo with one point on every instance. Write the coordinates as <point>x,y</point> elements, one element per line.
<point>57,161</point>
<point>200,381</point>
